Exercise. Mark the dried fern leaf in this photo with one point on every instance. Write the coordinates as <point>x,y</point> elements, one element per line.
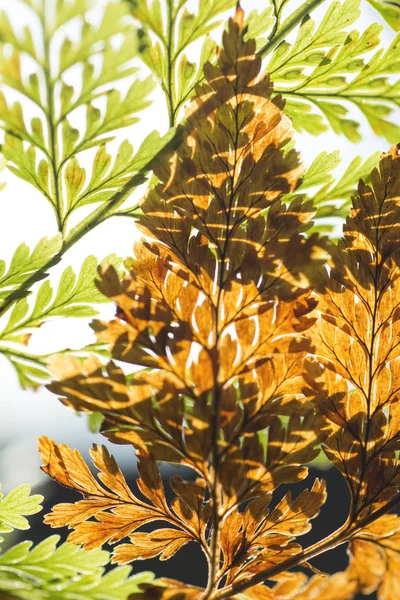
<point>216,303</point>
<point>354,381</point>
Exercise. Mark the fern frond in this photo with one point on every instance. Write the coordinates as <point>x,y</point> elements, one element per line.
<point>390,11</point>
<point>48,561</point>
<point>339,75</point>
<point>53,571</point>
<point>332,195</point>
<point>74,297</point>
<point>15,505</point>
<point>44,150</point>
<point>173,33</point>
<point>358,325</point>
<point>27,266</point>
<point>214,309</point>
<point>374,557</point>
<point>58,572</point>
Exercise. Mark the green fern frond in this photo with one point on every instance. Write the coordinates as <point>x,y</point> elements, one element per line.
<point>74,298</point>
<point>114,585</point>
<point>345,187</point>
<point>332,195</point>
<point>48,562</point>
<point>15,506</point>
<point>32,369</point>
<point>340,74</point>
<point>163,39</point>
<point>390,11</point>
<point>53,571</point>
<point>44,150</point>
<point>262,23</point>
<point>27,265</point>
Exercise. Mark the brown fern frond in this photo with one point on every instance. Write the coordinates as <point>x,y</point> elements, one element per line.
<point>215,308</point>
<point>258,537</point>
<point>167,589</point>
<point>117,512</point>
<point>355,381</point>
<point>375,558</point>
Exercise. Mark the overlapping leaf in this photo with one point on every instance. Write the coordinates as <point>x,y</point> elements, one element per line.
<point>214,309</point>
<point>374,558</point>
<point>168,304</point>
<point>340,76</point>
<point>258,537</point>
<point>332,195</point>
<point>355,379</point>
<point>167,589</point>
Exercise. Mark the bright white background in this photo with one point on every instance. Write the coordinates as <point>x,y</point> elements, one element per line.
<point>26,216</point>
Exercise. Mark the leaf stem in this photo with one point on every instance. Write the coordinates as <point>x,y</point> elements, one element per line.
<point>57,200</point>
<point>332,541</point>
<point>170,92</point>
<point>288,25</point>
<point>216,493</point>
<point>37,358</point>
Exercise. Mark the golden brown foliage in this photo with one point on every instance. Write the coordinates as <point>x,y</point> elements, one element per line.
<point>246,353</point>
<point>355,379</point>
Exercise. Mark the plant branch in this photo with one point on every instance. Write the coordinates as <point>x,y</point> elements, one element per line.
<point>53,153</point>
<point>214,548</point>
<point>288,25</point>
<point>337,538</point>
<point>170,66</point>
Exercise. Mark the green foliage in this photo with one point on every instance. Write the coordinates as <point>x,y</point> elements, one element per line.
<point>74,297</point>
<point>390,11</point>
<point>163,40</point>
<point>44,150</point>
<point>325,69</point>
<point>55,571</point>
<point>27,266</point>
<point>15,505</point>
<point>332,195</point>
<point>62,68</point>
<point>261,22</point>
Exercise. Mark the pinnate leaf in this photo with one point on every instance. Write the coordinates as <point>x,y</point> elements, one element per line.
<point>15,505</point>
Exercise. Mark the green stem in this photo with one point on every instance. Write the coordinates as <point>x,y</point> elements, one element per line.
<point>39,359</point>
<point>339,95</point>
<point>288,25</point>
<point>105,210</point>
<point>57,200</point>
<point>170,91</point>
